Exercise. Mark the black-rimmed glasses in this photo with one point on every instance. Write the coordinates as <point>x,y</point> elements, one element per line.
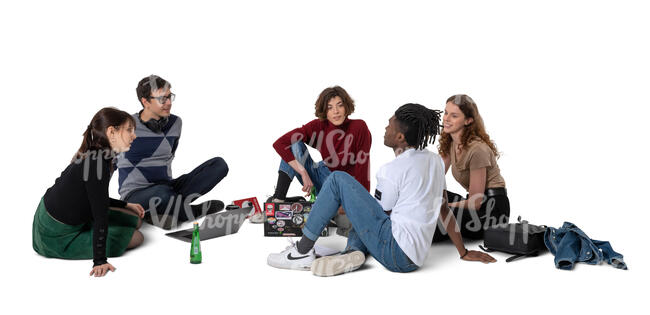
<point>164,98</point>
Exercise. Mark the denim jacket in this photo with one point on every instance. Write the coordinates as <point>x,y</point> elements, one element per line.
<point>569,244</point>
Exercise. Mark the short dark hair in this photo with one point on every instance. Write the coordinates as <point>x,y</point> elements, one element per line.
<point>419,124</point>
<point>148,84</point>
<point>330,93</point>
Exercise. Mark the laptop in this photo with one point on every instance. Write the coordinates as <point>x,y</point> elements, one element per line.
<point>216,225</point>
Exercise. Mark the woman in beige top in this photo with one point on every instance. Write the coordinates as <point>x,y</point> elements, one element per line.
<point>467,148</point>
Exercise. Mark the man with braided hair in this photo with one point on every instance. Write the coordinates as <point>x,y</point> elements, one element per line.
<point>397,225</point>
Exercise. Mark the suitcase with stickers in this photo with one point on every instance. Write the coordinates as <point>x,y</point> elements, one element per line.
<point>287,218</point>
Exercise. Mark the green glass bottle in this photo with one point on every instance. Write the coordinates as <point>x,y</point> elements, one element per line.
<point>312,198</point>
<point>195,250</point>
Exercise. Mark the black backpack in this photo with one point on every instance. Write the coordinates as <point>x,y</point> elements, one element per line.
<point>520,239</point>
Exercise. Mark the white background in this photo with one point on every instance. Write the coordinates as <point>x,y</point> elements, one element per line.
<point>562,87</point>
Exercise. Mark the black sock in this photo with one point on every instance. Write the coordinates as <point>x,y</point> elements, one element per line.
<point>282,186</point>
<point>305,245</point>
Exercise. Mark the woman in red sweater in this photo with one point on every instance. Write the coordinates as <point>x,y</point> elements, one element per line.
<point>344,145</point>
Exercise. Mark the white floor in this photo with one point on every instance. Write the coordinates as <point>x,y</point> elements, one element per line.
<point>234,276</point>
<point>561,87</point>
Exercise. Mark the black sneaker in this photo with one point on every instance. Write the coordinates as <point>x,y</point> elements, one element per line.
<point>286,199</point>
<point>166,222</point>
<point>206,207</point>
<point>273,199</point>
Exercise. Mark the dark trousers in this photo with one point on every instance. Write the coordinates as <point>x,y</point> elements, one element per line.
<point>494,210</point>
<point>175,196</point>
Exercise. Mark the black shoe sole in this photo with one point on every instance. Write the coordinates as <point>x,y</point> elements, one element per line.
<point>206,207</point>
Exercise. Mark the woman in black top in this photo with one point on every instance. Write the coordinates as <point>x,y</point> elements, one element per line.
<point>76,219</point>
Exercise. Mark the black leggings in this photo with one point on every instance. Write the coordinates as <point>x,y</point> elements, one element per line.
<point>494,210</point>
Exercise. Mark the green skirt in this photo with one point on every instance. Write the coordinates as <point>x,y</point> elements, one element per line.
<point>52,238</point>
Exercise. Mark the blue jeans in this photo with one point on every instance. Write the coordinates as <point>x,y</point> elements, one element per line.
<point>318,172</point>
<point>174,196</point>
<point>371,227</point>
<point>571,245</point>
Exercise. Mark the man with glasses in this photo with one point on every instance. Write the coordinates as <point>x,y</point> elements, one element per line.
<point>145,175</point>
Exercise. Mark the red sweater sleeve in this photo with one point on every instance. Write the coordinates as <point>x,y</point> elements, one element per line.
<point>362,167</point>
<point>304,134</point>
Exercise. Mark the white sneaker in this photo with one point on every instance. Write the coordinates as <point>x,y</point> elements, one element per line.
<point>290,258</point>
<point>257,218</point>
<point>335,265</point>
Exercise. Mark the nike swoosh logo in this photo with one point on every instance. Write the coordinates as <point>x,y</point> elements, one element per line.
<point>296,258</point>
